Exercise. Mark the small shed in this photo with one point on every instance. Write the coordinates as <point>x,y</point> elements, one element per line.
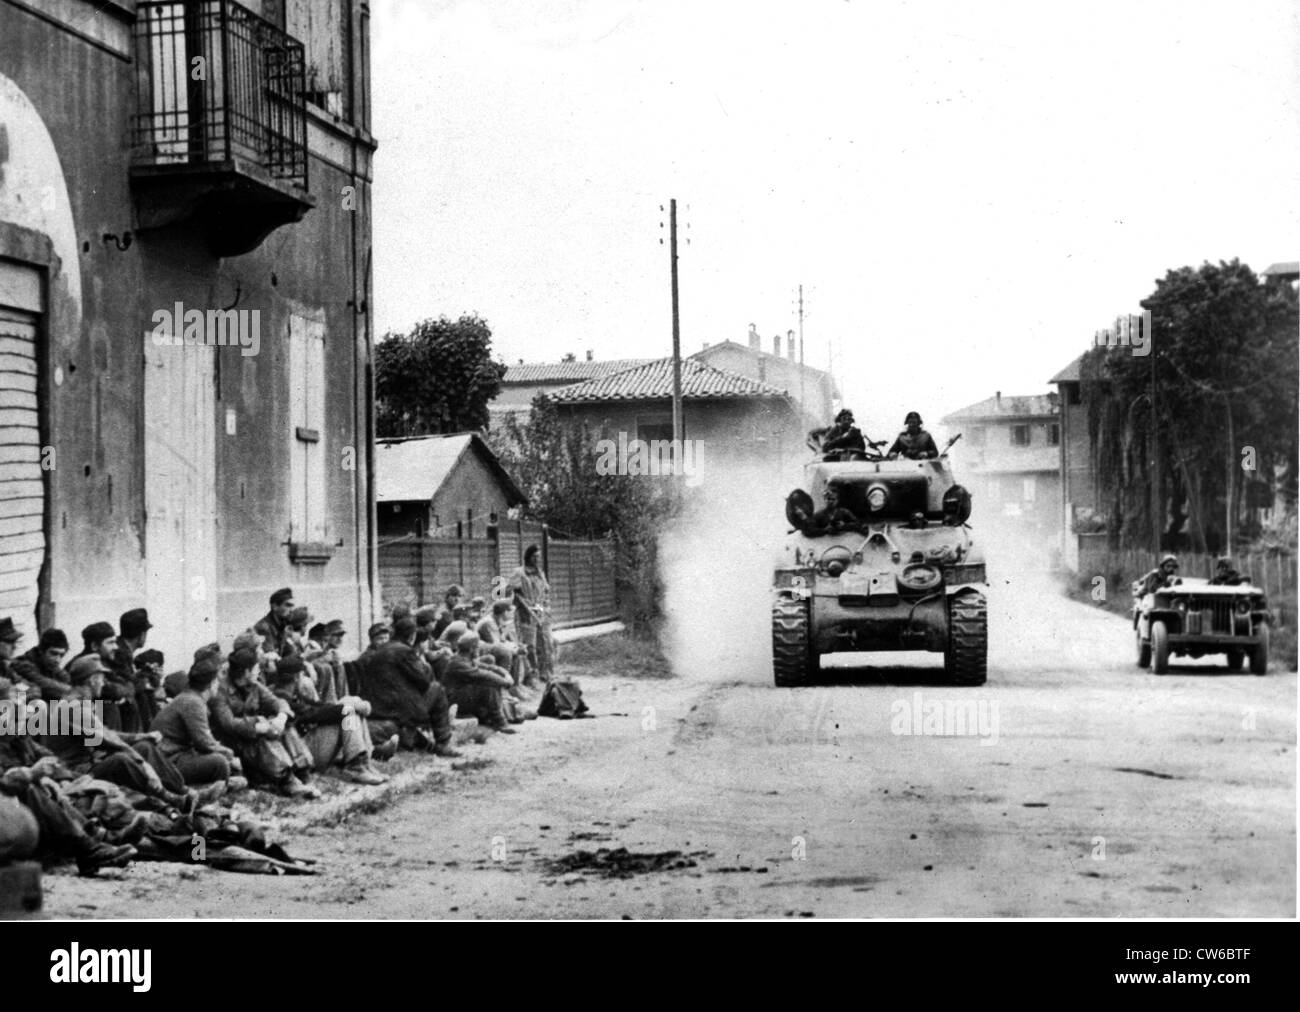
<point>424,484</point>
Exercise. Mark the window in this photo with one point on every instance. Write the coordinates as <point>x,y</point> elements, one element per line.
<point>1020,435</point>
<point>1072,393</point>
<point>1053,434</point>
<point>307,522</point>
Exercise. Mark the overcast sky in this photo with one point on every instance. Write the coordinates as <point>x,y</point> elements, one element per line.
<point>965,190</point>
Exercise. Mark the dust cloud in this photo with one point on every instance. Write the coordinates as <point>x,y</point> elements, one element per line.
<point>716,565</point>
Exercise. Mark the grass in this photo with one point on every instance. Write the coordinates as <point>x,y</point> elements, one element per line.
<point>614,654</point>
<point>1282,642</point>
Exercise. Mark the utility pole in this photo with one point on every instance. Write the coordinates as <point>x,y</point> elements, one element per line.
<point>677,328</point>
<point>1157,503</point>
<point>803,404</point>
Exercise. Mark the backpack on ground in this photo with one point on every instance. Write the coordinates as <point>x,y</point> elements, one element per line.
<point>562,700</point>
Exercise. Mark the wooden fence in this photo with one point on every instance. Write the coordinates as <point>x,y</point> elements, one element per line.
<point>581,573</point>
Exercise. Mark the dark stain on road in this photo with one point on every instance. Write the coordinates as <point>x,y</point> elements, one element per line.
<point>1146,773</point>
<point>623,863</point>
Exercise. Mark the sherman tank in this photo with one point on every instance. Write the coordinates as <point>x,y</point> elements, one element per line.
<point>879,557</point>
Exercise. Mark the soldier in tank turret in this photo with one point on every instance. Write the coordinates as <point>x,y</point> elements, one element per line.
<point>913,442</point>
<point>843,435</point>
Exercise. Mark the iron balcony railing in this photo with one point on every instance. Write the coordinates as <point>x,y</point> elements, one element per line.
<point>216,82</point>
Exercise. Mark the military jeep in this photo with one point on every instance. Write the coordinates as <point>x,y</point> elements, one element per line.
<point>1192,617</point>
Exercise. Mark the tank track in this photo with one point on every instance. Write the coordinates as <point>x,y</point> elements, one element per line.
<point>966,659</point>
<point>792,658</point>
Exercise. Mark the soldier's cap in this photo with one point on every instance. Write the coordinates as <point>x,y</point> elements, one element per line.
<point>148,657</point>
<point>299,617</point>
<point>8,634</point>
<point>288,668</point>
<point>84,667</point>
<point>1224,560</point>
<point>97,632</point>
<point>200,676</point>
<point>455,590</point>
<point>134,622</point>
<point>454,631</point>
<point>910,416</point>
<point>54,639</point>
<point>844,413</point>
<point>318,632</point>
<point>174,684</point>
<point>1169,557</point>
<point>212,650</point>
<point>246,640</point>
<point>243,659</point>
<point>377,628</point>
<point>281,595</point>
<point>426,615</point>
<point>335,628</point>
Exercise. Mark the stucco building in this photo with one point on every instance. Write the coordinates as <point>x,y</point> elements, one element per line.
<point>184,170</point>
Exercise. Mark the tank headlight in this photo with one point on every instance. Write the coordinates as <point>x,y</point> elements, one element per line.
<point>1243,606</point>
<point>1180,603</point>
<point>835,567</point>
<point>876,499</point>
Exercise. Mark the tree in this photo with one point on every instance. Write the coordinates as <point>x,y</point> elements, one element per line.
<point>554,462</point>
<point>1225,361</point>
<point>438,378</point>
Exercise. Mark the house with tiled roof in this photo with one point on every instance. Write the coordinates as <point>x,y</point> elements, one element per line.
<point>730,415</point>
<point>1010,457</point>
<point>814,389</point>
<point>525,380</point>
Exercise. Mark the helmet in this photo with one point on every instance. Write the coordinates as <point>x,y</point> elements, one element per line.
<point>845,415</point>
<point>911,415</point>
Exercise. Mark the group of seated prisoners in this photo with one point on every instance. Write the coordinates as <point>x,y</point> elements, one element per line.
<point>279,706</point>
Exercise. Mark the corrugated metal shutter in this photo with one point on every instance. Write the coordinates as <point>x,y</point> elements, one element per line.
<point>22,485</point>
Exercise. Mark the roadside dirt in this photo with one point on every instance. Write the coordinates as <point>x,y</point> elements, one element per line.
<point>1088,789</point>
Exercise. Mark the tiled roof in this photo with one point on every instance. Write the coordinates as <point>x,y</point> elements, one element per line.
<point>1284,268</point>
<point>1006,407</point>
<point>729,345</point>
<point>566,372</point>
<point>654,380</point>
<point>412,470</point>
<point>1070,374</point>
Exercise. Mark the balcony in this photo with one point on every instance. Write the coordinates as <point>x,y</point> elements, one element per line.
<point>219,137</point>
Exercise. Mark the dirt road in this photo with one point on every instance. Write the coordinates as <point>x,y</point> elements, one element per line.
<point>1082,788</point>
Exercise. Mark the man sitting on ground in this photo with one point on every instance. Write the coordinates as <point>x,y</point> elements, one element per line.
<point>129,759</point>
<point>133,630</point>
<point>450,602</point>
<point>41,666</point>
<point>186,730</point>
<point>247,717</point>
<point>475,691</point>
<point>272,625</point>
<point>405,699</point>
<point>334,732</point>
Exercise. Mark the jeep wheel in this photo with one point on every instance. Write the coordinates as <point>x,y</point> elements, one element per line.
<point>1259,652</point>
<point>1235,659</point>
<point>1159,648</point>
<point>966,660</point>
<point>1143,650</point>
<point>793,660</point>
